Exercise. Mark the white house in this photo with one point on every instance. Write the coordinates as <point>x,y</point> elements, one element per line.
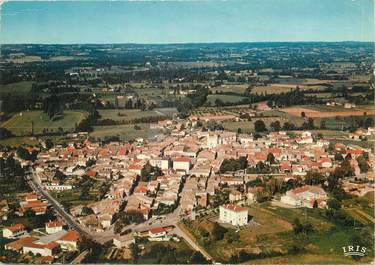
<point>162,163</point>
<point>69,241</point>
<point>157,232</point>
<point>44,250</point>
<point>305,197</point>
<point>14,231</point>
<point>123,241</point>
<point>182,163</point>
<point>233,214</point>
<point>54,227</point>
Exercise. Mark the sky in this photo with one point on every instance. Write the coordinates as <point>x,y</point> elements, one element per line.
<point>189,21</point>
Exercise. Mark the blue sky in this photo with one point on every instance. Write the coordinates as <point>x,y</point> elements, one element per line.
<point>186,21</point>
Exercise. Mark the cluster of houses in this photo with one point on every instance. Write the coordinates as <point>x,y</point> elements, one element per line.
<point>32,203</point>
<point>362,133</point>
<point>48,243</point>
<point>189,162</point>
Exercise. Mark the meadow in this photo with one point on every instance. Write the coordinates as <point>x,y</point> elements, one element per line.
<point>21,123</point>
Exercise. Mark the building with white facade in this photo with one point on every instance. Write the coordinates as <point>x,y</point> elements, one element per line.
<point>54,227</point>
<point>14,231</point>
<point>305,197</point>
<point>182,163</point>
<point>233,214</point>
<point>162,163</point>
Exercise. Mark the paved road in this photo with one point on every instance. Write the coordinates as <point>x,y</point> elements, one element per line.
<point>80,257</point>
<point>191,241</point>
<point>37,187</point>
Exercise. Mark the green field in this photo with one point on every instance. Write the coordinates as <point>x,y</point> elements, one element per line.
<point>131,114</point>
<point>125,132</point>
<point>224,98</point>
<point>274,234</point>
<point>20,123</point>
<point>18,88</point>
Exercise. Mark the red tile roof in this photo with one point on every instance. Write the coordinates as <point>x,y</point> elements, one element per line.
<point>182,159</point>
<point>71,235</point>
<point>16,227</point>
<point>235,208</point>
<point>56,223</point>
<point>157,230</point>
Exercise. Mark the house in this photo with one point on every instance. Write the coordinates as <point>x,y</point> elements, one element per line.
<point>263,106</point>
<point>54,226</point>
<point>157,232</point>
<point>252,193</point>
<point>182,164</point>
<point>135,168</point>
<point>123,241</point>
<point>49,249</point>
<point>233,214</point>
<point>69,241</point>
<point>349,105</point>
<point>305,197</point>
<point>235,195</point>
<point>14,231</point>
<point>18,244</point>
<point>162,163</point>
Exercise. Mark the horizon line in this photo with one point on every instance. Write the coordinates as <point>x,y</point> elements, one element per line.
<point>186,43</point>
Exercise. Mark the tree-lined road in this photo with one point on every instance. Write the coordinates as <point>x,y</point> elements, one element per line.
<point>37,187</point>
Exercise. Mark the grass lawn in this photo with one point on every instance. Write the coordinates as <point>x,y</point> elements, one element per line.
<point>125,132</point>
<point>245,126</point>
<point>72,197</point>
<point>131,114</point>
<point>224,98</point>
<point>17,141</point>
<point>17,88</point>
<point>237,88</point>
<point>314,216</point>
<point>20,123</point>
<point>274,233</point>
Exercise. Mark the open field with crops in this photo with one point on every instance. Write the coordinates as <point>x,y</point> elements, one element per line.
<point>21,123</point>
<point>124,132</point>
<point>131,114</point>
<point>18,88</point>
<point>326,112</point>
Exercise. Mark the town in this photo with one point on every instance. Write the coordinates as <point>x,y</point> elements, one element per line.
<point>216,150</point>
<point>148,187</point>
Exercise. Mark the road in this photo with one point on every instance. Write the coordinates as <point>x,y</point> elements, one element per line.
<point>191,241</point>
<point>171,219</point>
<point>37,187</point>
<point>80,257</point>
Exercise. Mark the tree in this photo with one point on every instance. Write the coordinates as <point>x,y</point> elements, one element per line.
<point>218,232</point>
<point>323,125</point>
<point>275,126</point>
<point>87,211</point>
<point>198,258</point>
<point>333,204</point>
<point>134,250</point>
<point>5,133</point>
<point>369,122</point>
<point>23,153</point>
<point>231,236</point>
<point>260,126</point>
<point>362,163</point>
<point>49,143</point>
<point>288,126</point>
<point>60,176</point>
<point>339,157</point>
<point>314,178</point>
<point>271,158</point>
